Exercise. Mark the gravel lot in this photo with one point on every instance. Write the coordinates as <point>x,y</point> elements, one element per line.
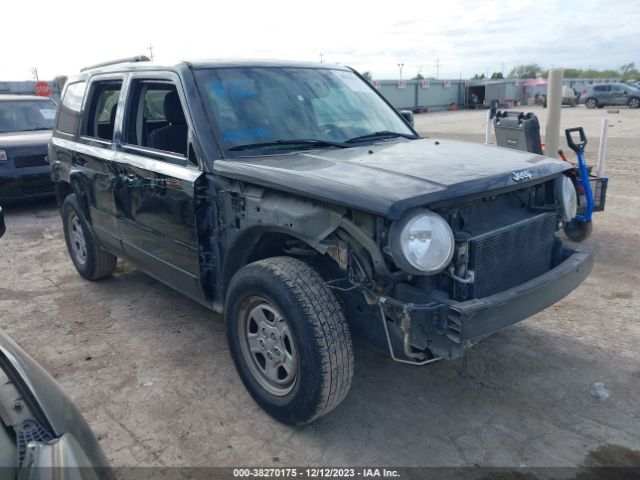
<point>150,369</point>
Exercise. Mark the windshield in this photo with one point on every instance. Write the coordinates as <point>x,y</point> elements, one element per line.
<point>25,115</point>
<point>266,106</point>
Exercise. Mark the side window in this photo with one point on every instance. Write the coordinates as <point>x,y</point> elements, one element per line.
<point>155,117</point>
<point>101,109</point>
<point>70,108</point>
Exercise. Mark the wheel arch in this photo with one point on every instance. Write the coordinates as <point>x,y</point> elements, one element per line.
<point>260,242</point>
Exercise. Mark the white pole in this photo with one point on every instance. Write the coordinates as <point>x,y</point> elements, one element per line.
<point>554,107</point>
<point>487,133</point>
<point>602,153</point>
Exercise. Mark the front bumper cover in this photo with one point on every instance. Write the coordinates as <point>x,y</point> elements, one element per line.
<point>446,328</point>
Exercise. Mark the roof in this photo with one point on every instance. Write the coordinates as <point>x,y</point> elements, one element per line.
<point>14,96</point>
<point>221,63</point>
<point>207,63</point>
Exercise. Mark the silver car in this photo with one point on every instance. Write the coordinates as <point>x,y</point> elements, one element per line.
<point>604,94</point>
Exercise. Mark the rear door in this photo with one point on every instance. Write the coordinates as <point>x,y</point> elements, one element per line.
<point>95,154</point>
<point>603,94</point>
<point>154,193</point>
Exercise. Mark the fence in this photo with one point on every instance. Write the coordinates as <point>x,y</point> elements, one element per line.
<point>429,94</point>
<point>440,94</point>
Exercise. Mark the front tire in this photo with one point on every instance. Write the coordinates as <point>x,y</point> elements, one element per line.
<point>289,339</point>
<point>591,103</point>
<point>634,102</point>
<point>89,259</point>
<point>578,231</point>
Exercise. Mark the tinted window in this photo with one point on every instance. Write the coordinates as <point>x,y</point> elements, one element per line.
<point>25,115</point>
<point>601,88</point>
<point>101,113</point>
<point>70,108</point>
<point>155,117</point>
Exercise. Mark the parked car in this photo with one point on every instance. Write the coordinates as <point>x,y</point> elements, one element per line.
<point>25,129</point>
<point>43,434</point>
<point>605,94</point>
<point>568,97</point>
<point>295,199</point>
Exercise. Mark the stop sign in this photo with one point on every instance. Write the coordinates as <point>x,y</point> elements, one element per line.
<point>43,89</point>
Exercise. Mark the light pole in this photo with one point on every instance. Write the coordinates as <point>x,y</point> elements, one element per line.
<point>400,65</point>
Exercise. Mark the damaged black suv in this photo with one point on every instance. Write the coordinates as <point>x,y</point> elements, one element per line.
<point>296,200</point>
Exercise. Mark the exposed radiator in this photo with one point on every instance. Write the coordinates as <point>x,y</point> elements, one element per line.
<point>511,255</point>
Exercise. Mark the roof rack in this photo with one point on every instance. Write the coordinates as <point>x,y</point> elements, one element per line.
<point>138,58</point>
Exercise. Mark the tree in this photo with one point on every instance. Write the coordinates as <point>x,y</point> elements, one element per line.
<point>367,76</point>
<point>60,80</point>
<point>629,72</point>
<point>418,76</point>
<point>478,77</point>
<point>497,76</point>
<point>531,70</point>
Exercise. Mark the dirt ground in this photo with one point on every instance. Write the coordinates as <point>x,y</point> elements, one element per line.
<point>150,369</point>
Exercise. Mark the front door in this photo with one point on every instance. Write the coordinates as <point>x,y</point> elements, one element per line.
<point>154,192</point>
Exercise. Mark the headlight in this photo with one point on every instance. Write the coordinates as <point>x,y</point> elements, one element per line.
<point>3,155</point>
<point>421,243</point>
<point>567,198</point>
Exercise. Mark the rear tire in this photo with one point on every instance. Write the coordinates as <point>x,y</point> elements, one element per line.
<point>89,259</point>
<point>578,231</point>
<point>289,339</point>
<point>591,103</point>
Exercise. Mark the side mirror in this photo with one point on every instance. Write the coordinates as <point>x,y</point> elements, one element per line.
<point>408,116</point>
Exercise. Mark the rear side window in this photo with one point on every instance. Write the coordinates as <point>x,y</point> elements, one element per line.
<point>155,117</point>
<point>101,111</point>
<point>601,88</point>
<point>70,108</point>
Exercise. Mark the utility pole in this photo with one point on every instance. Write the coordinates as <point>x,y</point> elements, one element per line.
<point>437,65</point>
<point>151,52</point>
<point>34,72</point>
<point>321,57</point>
<point>400,65</point>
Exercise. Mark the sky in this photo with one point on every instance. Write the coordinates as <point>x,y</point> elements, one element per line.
<point>465,37</point>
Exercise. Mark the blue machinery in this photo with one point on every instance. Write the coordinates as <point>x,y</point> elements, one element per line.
<point>592,190</point>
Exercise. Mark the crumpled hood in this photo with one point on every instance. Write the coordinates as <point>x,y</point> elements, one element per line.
<point>389,178</point>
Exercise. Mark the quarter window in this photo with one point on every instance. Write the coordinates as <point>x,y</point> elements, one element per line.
<point>155,117</point>
<point>70,108</point>
<point>102,107</point>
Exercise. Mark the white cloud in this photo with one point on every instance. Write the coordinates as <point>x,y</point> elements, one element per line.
<point>467,37</point>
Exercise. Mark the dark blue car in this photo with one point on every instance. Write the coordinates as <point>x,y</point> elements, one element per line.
<point>25,128</point>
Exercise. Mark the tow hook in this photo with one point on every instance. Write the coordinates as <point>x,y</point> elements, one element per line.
<point>405,326</point>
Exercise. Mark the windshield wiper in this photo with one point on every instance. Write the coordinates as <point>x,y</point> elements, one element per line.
<point>300,142</point>
<point>34,129</point>
<point>381,134</point>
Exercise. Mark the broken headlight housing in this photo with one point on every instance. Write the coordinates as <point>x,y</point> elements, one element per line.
<point>567,198</point>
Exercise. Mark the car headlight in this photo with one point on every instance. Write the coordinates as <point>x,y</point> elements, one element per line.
<point>3,155</point>
<point>567,197</point>
<point>421,243</point>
